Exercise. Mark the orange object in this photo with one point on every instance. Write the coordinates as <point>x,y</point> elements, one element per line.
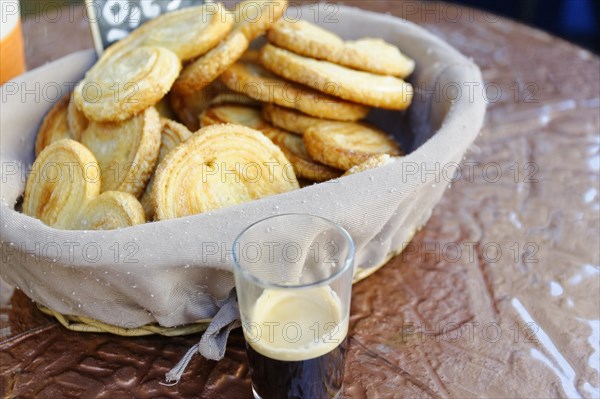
<point>12,55</point>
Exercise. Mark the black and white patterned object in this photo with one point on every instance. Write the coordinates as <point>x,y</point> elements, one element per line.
<point>111,20</point>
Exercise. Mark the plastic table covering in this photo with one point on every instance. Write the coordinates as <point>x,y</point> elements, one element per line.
<point>497,296</point>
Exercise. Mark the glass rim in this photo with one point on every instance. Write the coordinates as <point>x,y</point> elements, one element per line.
<point>265,284</point>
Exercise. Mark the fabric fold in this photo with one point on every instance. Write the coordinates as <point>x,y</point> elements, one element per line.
<point>213,342</point>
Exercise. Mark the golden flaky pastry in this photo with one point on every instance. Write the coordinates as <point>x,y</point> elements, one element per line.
<point>207,68</point>
<point>343,145</point>
<point>362,87</point>
<point>63,191</point>
<point>305,38</point>
<point>372,162</point>
<point>237,114</point>
<point>252,19</point>
<point>377,56</point>
<point>189,32</point>
<point>171,135</point>
<point>126,151</point>
<point>76,119</point>
<point>219,166</point>
<point>54,126</point>
<point>305,167</point>
<point>258,83</point>
<point>289,119</point>
<point>370,55</point>
<point>291,144</point>
<point>117,88</point>
<point>111,210</point>
<point>233,97</point>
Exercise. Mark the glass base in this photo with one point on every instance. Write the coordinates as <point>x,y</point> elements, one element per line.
<point>337,396</point>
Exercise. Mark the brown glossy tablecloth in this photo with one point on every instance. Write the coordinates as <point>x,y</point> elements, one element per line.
<point>498,296</point>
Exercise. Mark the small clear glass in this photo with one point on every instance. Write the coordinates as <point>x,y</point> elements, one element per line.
<point>293,275</point>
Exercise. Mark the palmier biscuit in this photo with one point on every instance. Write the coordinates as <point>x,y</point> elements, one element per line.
<point>377,56</point>
<point>111,210</point>
<point>305,167</point>
<point>56,199</point>
<point>289,119</point>
<point>305,38</point>
<point>76,119</point>
<point>126,151</point>
<point>233,97</point>
<point>258,83</point>
<point>189,32</point>
<point>370,55</point>
<point>117,88</point>
<point>171,135</point>
<point>291,145</point>
<point>63,191</point>
<point>54,126</point>
<point>343,145</point>
<point>237,114</point>
<point>219,166</point>
<point>372,162</point>
<point>207,68</point>
<point>362,87</point>
<point>252,19</point>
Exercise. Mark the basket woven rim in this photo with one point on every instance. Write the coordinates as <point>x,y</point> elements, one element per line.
<point>87,324</point>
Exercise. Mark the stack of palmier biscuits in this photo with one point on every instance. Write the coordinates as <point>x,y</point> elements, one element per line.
<point>182,117</point>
